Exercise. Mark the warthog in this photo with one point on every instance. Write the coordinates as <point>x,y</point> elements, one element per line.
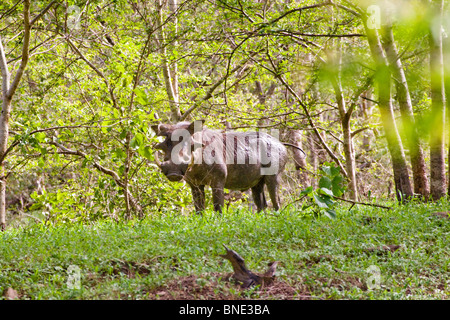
<point>231,160</point>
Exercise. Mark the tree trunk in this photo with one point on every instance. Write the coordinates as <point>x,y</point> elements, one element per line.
<point>348,142</point>
<point>172,91</point>
<point>4,133</point>
<point>8,91</point>
<point>366,112</point>
<point>446,54</point>
<point>383,81</point>
<point>312,157</point>
<point>437,148</point>
<point>295,137</point>
<point>421,185</point>
<point>173,6</point>
<point>345,116</point>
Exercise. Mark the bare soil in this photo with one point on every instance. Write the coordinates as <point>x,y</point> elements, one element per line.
<point>222,287</point>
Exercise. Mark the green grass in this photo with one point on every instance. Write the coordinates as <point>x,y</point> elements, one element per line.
<point>326,258</point>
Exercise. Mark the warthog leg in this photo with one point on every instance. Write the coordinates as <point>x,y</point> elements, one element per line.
<point>218,197</point>
<point>272,183</point>
<point>198,195</point>
<point>258,196</point>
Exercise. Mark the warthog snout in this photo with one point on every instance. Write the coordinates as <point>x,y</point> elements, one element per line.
<point>173,172</point>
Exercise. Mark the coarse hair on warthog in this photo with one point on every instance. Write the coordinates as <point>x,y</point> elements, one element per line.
<point>231,160</point>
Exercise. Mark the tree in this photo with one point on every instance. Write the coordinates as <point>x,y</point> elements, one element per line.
<point>8,91</point>
<point>421,184</point>
<point>170,74</point>
<point>437,133</point>
<point>345,115</point>
<point>383,81</point>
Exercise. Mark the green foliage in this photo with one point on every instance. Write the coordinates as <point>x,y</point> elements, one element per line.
<point>102,99</point>
<point>327,257</point>
<point>323,199</point>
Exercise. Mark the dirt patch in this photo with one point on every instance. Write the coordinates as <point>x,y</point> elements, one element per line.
<point>10,294</point>
<point>222,287</point>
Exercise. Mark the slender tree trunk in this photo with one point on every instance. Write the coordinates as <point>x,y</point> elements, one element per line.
<point>295,137</point>
<point>4,133</point>
<point>345,116</point>
<point>366,111</point>
<point>313,157</point>
<point>4,126</point>
<point>348,142</point>
<point>172,91</point>
<point>334,65</point>
<point>421,185</point>
<point>437,148</point>
<point>173,6</point>
<point>446,55</point>
<point>383,80</point>
<point>8,90</point>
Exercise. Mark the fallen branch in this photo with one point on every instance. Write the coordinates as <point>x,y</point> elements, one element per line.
<point>363,203</point>
<point>245,276</point>
<point>343,199</point>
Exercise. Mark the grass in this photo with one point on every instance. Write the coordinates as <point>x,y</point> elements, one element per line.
<point>177,256</point>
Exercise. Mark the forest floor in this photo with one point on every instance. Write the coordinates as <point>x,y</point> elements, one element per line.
<point>364,253</point>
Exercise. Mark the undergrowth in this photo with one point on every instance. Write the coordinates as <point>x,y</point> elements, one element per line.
<point>319,257</point>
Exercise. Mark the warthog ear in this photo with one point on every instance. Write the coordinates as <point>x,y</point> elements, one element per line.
<point>160,129</point>
<point>196,125</point>
<point>155,128</point>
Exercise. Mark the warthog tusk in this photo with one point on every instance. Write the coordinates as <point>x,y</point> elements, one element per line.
<point>158,163</point>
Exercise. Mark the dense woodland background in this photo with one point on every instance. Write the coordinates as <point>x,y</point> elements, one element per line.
<point>359,85</point>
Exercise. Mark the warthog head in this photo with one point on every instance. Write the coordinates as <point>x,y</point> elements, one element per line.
<point>176,146</point>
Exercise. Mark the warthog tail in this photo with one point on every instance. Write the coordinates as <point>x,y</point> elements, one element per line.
<point>294,146</point>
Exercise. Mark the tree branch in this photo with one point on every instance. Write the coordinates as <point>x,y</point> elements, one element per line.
<point>99,73</point>
<point>4,70</point>
<point>101,168</point>
<point>44,11</point>
<point>211,90</point>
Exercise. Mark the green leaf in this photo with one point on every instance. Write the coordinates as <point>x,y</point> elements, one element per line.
<point>326,170</point>
<point>325,182</point>
<point>137,140</point>
<point>146,152</point>
<point>118,153</point>
<point>327,192</point>
<point>41,162</point>
<point>60,196</point>
<point>307,191</point>
<point>116,113</point>
<point>40,137</point>
<point>141,96</point>
<point>123,134</point>
<point>330,214</point>
<point>323,201</point>
<point>334,170</point>
<point>337,186</point>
